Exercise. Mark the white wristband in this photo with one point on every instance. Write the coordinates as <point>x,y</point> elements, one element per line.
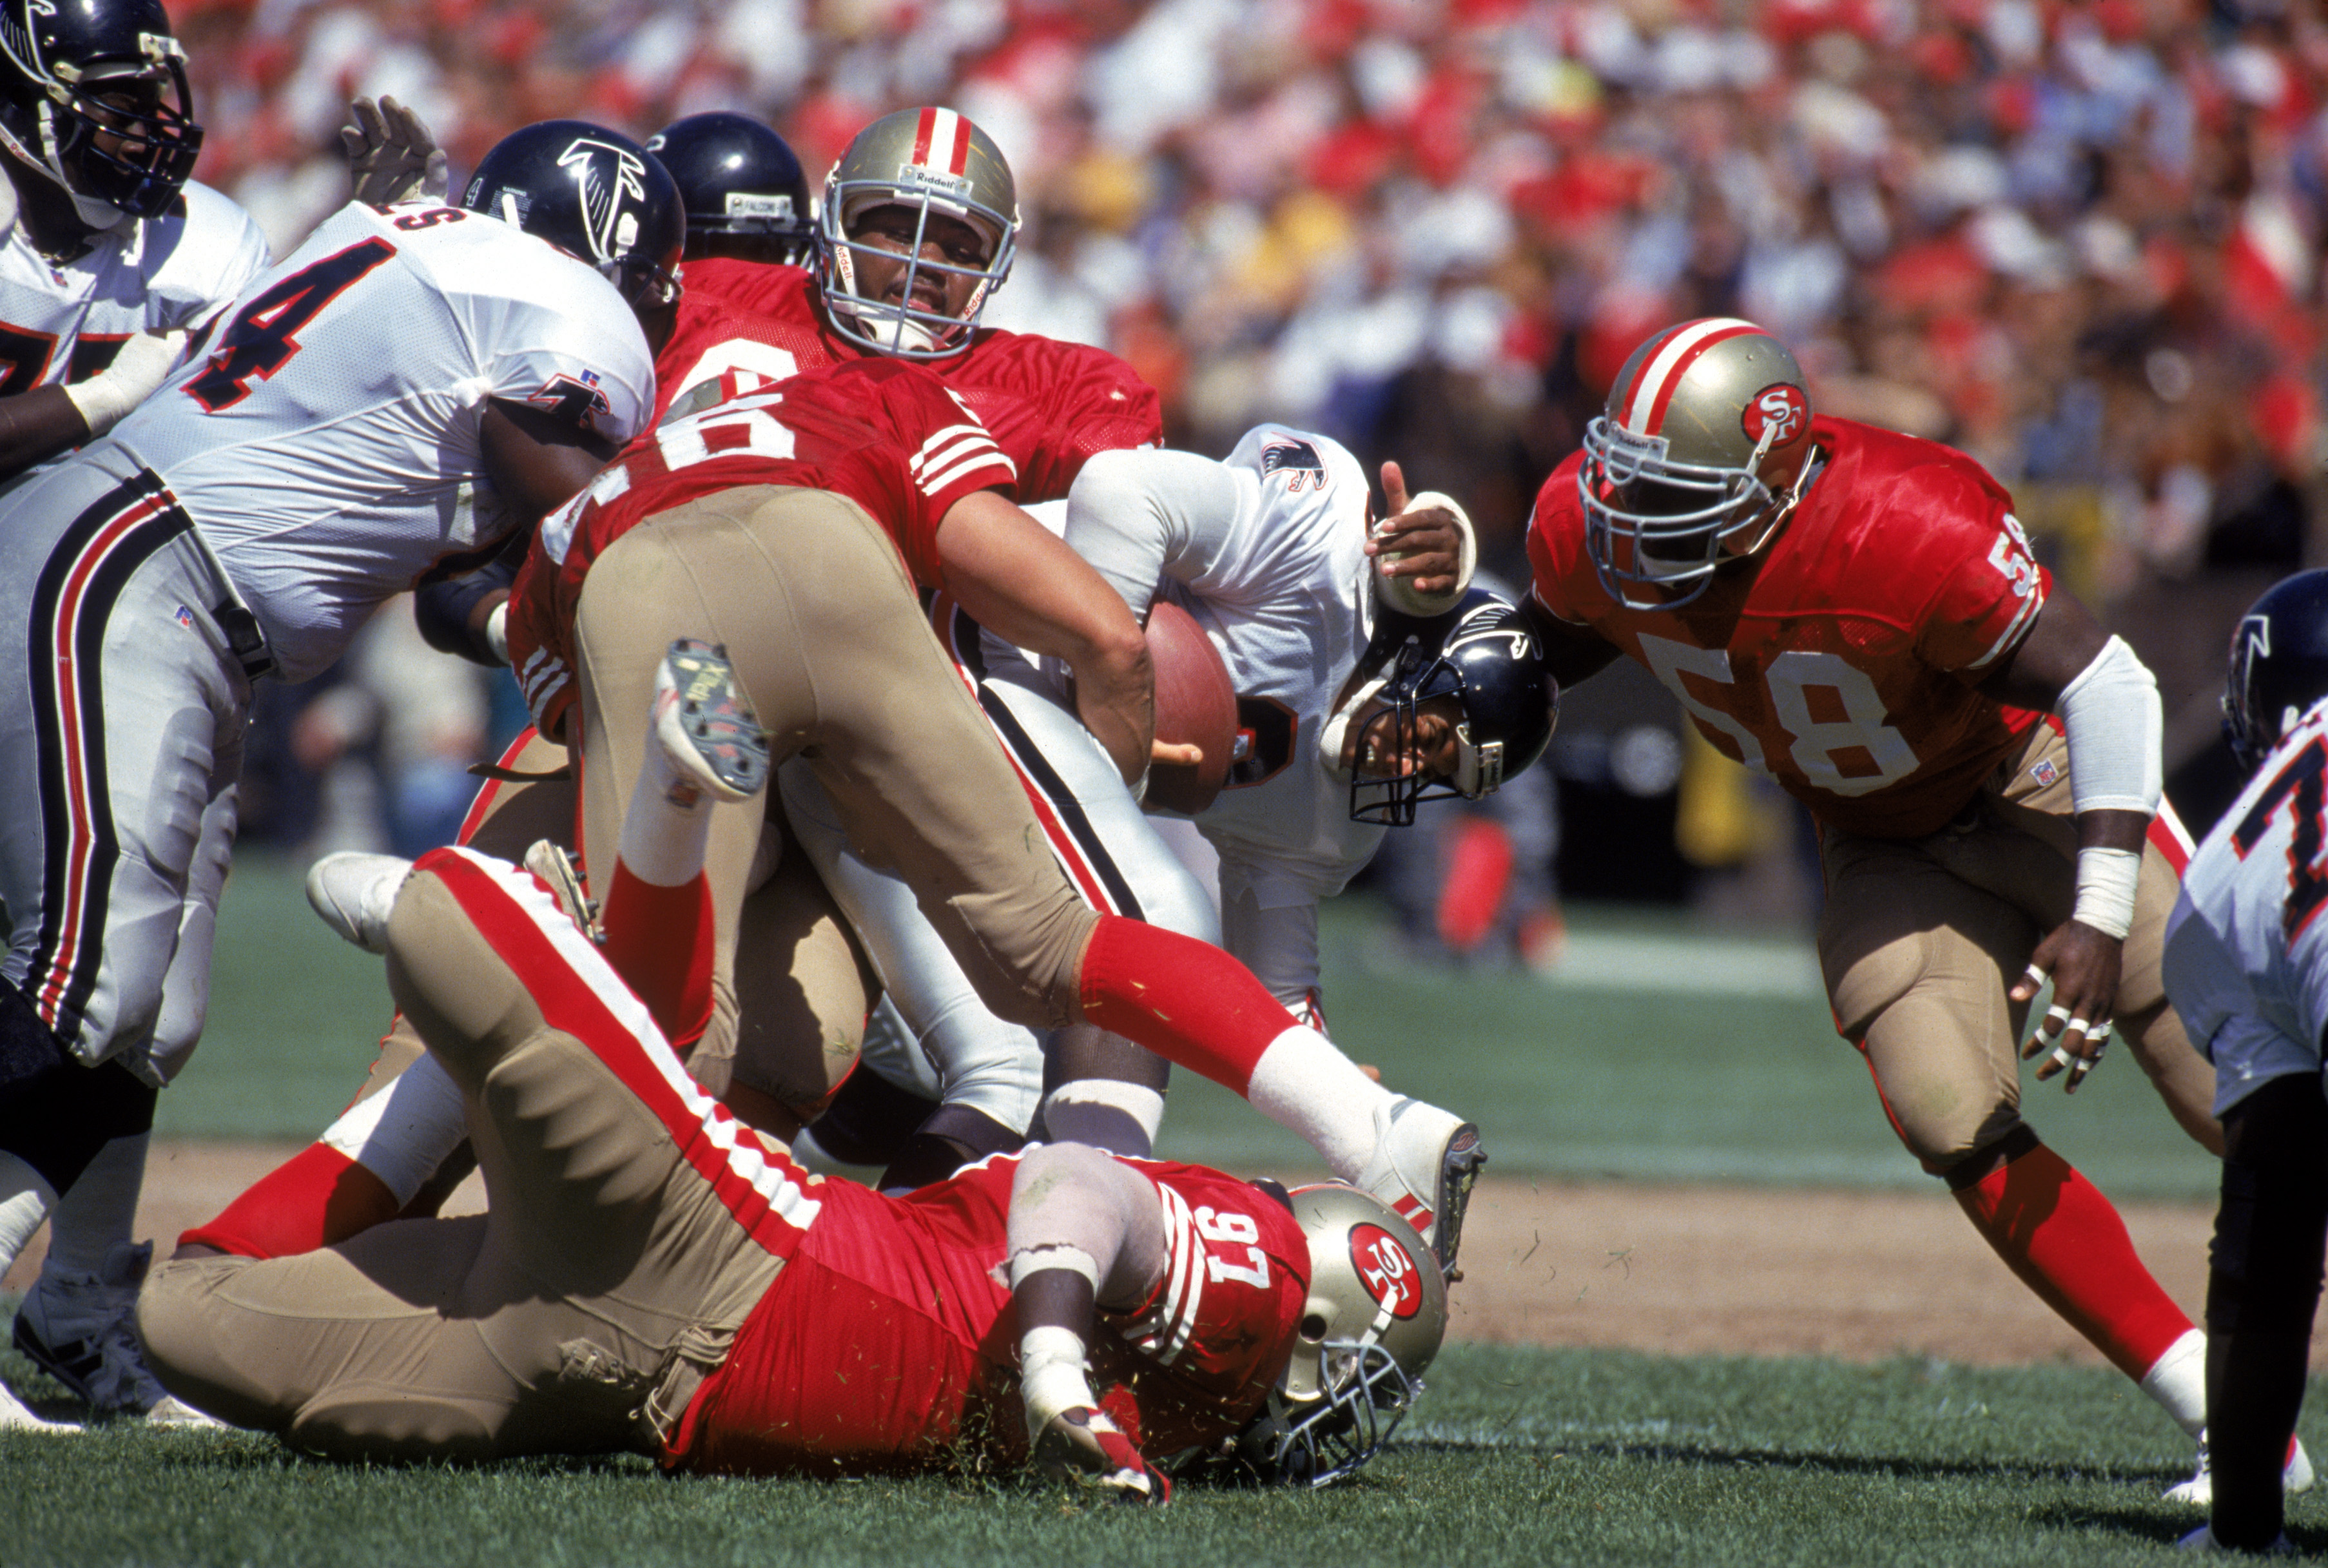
<point>140,365</point>
<point>1051,1376</point>
<point>2106,880</point>
<point>497,631</point>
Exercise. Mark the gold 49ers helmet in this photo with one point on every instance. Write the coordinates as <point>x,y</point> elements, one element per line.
<point>1376,1314</point>
<point>1673,478</point>
<point>928,160</point>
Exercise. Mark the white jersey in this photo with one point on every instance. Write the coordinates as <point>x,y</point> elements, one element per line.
<point>2247,946</point>
<point>1270,558</point>
<point>326,440</point>
<point>64,320</point>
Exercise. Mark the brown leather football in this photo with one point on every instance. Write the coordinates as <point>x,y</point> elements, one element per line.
<point>1194,705</point>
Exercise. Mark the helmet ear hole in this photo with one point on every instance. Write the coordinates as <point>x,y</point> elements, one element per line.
<point>1313,1326</point>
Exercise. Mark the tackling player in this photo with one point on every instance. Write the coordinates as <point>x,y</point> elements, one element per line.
<point>655,1276</point>
<point>1351,711</point>
<point>2247,964</point>
<point>412,385</point>
<point>1857,615</point>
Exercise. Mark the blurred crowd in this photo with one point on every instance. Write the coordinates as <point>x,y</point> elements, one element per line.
<point>2078,239</point>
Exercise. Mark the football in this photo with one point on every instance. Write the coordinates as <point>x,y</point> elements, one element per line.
<point>1194,705</point>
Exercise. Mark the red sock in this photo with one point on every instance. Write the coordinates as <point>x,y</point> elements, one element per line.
<point>317,1196</point>
<point>1185,1001</point>
<point>659,940</point>
<point>2055,1229</point>
<point>1478,874</point>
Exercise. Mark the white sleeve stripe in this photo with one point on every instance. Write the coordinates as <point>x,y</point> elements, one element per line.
<point>937,444</point>
<point>2035,602</point>
<point>932,483</point>
<point>939,454</point>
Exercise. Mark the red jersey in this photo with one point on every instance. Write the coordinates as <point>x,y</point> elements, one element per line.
<point>884,433</point>
<point>1050,404</point>
<point>887,1343</point>
<point>1844,662</point>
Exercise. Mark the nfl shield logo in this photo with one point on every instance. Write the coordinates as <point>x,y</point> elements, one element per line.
<point>2045,773</point>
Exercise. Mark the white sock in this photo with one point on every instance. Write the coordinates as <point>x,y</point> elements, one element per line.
<point>668,822</point>
<point>1305,1085</point>
<point>1106,1113</point>
<point>97,1213</point>
<point>25,1199</point>
<point>403,1133</point>
<point>2178,1381</point>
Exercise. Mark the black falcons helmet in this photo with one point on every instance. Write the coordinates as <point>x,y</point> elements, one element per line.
<point>1482,653</point>
<point>73,69</point>
<point>741,185</point>
<point>2279,665</point>
<point>591,191</point>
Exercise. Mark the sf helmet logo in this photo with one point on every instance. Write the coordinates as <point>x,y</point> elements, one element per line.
<point>608,178</point>
<point>1775,415</point>
<point>1387,1270</point>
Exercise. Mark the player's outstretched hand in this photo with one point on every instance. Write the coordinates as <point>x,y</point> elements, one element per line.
<point>1083,1445</point>
<point>391,154</point>
<point>2083,965</point>
<point>1423,544</point>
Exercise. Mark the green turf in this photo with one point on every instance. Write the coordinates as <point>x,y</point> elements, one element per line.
<point>1716,1061</point>
<point>1516,1457</point>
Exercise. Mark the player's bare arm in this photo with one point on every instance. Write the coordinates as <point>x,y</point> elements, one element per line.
<point>1085,1230</point>
<point>2062,665</point>
<point>1571,652</point>
<point>536,461</point>
<point>1022,583</point>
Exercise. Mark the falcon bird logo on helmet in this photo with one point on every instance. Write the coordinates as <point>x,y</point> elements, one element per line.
<point>933,163</point>
<point>93,96</point>
<point>1373,1320</point>
<point>1673,479</point>
<point>1482,654</point>
<point>591,192</point>
<point>2279,666</point>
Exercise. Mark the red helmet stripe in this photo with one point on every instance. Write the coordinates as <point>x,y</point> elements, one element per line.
<point>923,130</point>
<point>1649,397</point>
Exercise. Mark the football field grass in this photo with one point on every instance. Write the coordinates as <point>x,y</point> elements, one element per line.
<point>1659,1052</point>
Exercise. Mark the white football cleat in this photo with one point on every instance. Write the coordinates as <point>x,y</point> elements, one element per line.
<point>2199,1491</point>
<point>16,1416</point>
<point>172,1412</point>
<point>1424,1162</point>
<point>704,723</point>
<point>79,1328</point>
<point>550,862</point>
<point>355,892</point>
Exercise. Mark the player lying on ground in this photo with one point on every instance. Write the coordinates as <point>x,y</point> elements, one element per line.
<point>413,385</point>
<point>1350,709</point>
<point>1856,614</point>
<point>2247,964</point>
<point>800,562</point>
<point>653,1276</point>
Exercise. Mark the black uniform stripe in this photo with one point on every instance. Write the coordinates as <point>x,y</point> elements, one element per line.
<point>963,639</point>
<point>55,745</point>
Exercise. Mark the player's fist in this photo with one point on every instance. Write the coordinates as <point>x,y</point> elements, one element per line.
<point>1083,1445</point>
